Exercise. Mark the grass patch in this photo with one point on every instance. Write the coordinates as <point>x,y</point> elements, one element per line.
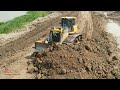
<point>1,23</point>
<point>19,22</point>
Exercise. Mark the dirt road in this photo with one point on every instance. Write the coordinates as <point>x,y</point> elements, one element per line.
<point>16,69</point>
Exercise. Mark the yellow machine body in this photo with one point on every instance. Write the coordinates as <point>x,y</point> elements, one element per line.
<point>67,33</point>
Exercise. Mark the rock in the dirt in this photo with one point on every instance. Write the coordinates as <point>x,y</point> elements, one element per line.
<point>54,66</point>
<point>44,54</point>
<point>109,61</point>
<point>76,77</point>
<point>87,48</point>
<point>49,77</point>
<point>39,76</point>
<point>77,48</point>
<point>80,60</point>
<point>44,72</point>
<point>110,76</point>
<point>63,71</point>
<point>117,75</point>
<point>30,69</point>
<point>109,52</point>
<point>35,69</point>
<point>98,48</point>
<point>87,68</point>
<point>29,63</point>
<point>97,40</point>
<point>95,50</point>
<point>43,77</point>
<point>114,58</point>
<point>115,67</point>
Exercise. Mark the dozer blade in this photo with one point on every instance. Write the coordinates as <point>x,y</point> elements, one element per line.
<point>40,46</point>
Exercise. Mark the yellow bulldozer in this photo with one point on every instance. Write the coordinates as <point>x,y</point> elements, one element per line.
<point>66,34</point>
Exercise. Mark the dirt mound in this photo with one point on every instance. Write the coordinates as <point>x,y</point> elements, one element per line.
<point>84,60</point>
<point>114,13</point>
<point>94,58</point>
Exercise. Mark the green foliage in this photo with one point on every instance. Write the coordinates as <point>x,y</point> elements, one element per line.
<point>19,22</point>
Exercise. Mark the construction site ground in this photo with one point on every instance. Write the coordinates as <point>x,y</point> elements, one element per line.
<point>95,57</point>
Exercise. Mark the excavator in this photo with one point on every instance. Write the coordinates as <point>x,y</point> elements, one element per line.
<point>66,34</point>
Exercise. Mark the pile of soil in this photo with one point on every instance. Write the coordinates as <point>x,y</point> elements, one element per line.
<point>94,58</point>
<point>114,13</point>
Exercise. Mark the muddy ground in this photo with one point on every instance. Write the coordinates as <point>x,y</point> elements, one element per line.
<point>95,57</point>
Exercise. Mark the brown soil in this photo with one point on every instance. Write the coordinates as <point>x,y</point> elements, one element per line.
<point>40,30</point>
<point>95,57</point>
<point>16,52</point>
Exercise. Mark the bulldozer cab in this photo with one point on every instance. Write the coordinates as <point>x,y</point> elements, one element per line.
<point>55,36</point>
<point>68,22</point>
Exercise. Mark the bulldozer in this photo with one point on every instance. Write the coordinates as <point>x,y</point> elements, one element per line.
<point>67,33</point>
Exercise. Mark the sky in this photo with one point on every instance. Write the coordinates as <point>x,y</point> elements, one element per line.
<point>8,15</point>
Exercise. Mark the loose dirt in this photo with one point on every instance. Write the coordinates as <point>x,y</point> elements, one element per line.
<point>95,57</point>
<point>13,53</point>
